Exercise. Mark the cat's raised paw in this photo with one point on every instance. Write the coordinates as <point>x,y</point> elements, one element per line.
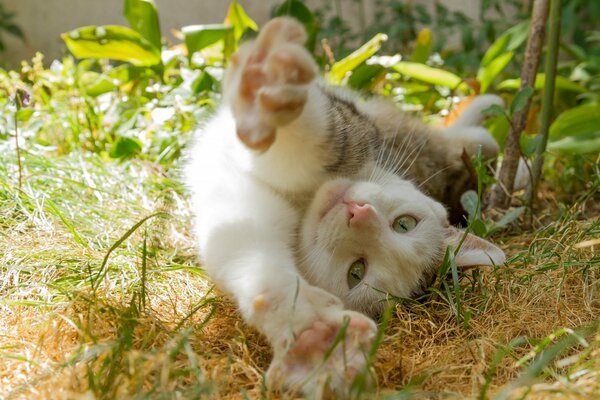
<point>268,81</point>
<point>326,358</point>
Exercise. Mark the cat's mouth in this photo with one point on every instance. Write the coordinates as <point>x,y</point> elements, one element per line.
<point>334,196</point>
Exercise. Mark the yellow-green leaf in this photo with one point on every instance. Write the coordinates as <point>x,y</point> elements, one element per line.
<point>143,18</point>
<point>562,83</point>
<point>197,37</point>
<point>434,76</point>
<point>239,20</point>
<point>349,63</point>
<point>489,72</point>
<point>577,121</point>
<point>422,48</point>
<point>508,41</point>
<point>113,42</point>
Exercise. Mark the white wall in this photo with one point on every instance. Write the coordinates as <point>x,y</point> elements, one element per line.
<point>44,20</point>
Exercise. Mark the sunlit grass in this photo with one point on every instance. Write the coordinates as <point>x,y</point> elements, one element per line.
<point>153,326</point>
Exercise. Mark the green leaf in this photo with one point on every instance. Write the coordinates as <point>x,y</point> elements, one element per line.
<point>562,83</point>
<point>431,75</point>
<point>422,49</point>
<point>24,114</point>
<point>143,18</point>
<point>498,128</point>
<point>95,84</point>
<point>297,9</point>
<point>198,37</point>
<point>204,82</point>
<point>470,202</point>
<point>365,76</point>
<point>489,72</point>
<point>507,42</point>
<point>521,99</point>
<point>340,69</point>
<point>126,147</point>
<point>577,121</point>
<point>495,110</point>
<point>584,144</point>
<point>479,228</point>
<point>529,144</point>
<point>113,42</point>
<point>508,218</point>
<point>239,20</point>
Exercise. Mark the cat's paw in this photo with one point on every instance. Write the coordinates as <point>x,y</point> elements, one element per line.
<point>326,357</point>
<point>268,81</point>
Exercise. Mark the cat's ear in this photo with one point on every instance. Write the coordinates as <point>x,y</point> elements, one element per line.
<point>474,250</point>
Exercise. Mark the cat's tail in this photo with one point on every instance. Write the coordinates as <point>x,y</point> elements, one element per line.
<point>472,114</point>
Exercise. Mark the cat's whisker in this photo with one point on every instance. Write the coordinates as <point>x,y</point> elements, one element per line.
<point>434,175</point>
<point>401,155</point>
<point>420,150</point>
<point>398,160</point>
<point>380,154</point>
<point>396,154</point>
<point>417,152</point>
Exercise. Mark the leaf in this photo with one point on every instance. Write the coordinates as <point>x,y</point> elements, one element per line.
<point>126,147</point>
<point>562,83</point>
<point>198,37</point>
<point>365,76</point>
<point>340,69</point>
<point>422,49</point>
<point>204,82</point>
<point>470,202</point>
<point>507,42</point>
<point>297,9</point>
<point>479,228</point>
<point>24,114</point>
<point>95,84</point>
<point>529,144</point>
<point>577,121</point>
<point>494,110</point>
<point>239,20</point>
<point>508,218</point>
<point>113,42</point>
<point>584,144</point>
<point>488,73</point>
<point>143,18</point>
<point>434,76</point>
<point>521,99</point>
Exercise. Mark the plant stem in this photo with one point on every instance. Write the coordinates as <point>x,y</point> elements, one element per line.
<point>547,105</point>
<point>501,193</point>
<point>16,121</point>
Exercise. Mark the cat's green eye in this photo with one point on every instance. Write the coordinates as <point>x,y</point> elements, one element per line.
<point>404,223</point>
<point>356,273</point>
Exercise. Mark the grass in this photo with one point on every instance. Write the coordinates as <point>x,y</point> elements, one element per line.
<point>101,296</point>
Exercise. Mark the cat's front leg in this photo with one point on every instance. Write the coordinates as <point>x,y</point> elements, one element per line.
<point>247,250</point>
<point>318,346</point>
<point>325,349</point>
<point>266,84</point>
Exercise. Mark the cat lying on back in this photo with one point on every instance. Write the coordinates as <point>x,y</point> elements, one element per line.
<point>304,211</point>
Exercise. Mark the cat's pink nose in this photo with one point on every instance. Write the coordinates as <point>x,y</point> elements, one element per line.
<point>358,213</point>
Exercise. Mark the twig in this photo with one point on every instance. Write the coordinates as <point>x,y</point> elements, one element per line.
<point>547,105</point>
<point>512,152</point>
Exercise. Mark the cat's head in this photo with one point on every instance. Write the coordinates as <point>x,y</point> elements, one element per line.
<point>363,240</point>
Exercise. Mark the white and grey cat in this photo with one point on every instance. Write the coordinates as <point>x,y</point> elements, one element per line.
<point>305,210</point>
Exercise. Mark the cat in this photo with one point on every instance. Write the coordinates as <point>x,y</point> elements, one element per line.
<point>302,212</point>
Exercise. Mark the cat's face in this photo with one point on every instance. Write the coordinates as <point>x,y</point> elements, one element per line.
<point>362,240</point>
